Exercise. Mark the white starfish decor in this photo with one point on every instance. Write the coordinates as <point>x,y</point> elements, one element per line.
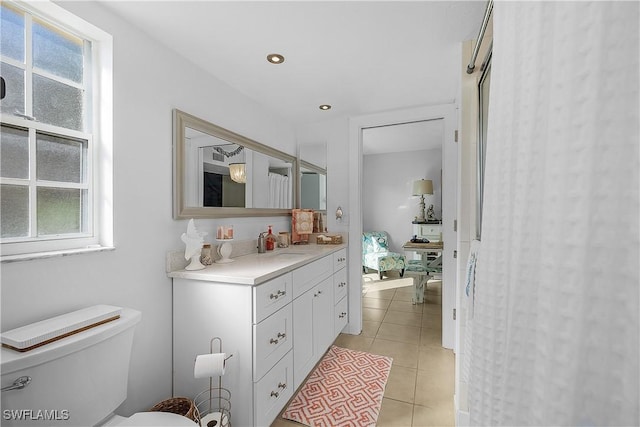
<point>193,240</point>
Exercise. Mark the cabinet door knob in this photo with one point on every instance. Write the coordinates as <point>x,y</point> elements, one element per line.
<point>282,385</point>
<point>281,335</point>
<point>274,296</point>
<point>282,293</point>
<point>273,341</point>
<point>275,394</point>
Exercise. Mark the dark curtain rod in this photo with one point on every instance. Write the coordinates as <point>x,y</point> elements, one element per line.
<point>487,14</point>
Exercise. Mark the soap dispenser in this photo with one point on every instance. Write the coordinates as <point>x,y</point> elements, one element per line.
<point>270,240</point>
<point>262,246</point>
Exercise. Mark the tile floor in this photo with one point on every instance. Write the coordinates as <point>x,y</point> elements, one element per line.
<point>420,388</point>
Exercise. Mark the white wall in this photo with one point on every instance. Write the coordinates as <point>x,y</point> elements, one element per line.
<point>387,184</point>
<point>335,133</point>
<point>149,81</point>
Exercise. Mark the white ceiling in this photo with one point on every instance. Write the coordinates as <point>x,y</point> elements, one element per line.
<point>359,56</point>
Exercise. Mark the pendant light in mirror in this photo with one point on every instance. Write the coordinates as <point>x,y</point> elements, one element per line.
<point>238,172</point>
<point>238,168</point>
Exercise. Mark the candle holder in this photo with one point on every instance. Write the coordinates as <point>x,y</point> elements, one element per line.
<point>224,250</point>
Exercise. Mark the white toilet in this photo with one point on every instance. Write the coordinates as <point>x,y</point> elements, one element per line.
<point>77,381</point>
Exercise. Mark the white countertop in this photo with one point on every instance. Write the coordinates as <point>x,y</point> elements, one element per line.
<point>256,268</point>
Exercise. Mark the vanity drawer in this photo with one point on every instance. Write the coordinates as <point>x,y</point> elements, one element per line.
<point>270,296</point>
<point>339,259</point>
<point>341,314</point>
<point>272,338</point>
<point>273,391</point>
<point>306,277</point>
<point>339,285</point>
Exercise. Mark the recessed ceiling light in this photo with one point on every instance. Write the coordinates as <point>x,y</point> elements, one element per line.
<point>325,107</point>
<point>275,58</point>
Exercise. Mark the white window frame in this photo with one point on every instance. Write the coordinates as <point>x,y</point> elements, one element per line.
<point>99,181</point>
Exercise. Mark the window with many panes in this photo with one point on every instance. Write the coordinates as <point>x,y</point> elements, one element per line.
<point>48,197</point>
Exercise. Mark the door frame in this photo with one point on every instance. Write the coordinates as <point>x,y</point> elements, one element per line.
<point>447,113</point>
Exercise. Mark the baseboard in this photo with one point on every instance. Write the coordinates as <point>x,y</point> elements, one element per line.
<point>462,417</point>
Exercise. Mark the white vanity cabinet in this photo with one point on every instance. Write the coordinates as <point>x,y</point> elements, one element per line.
<point>275,330</point>
<point>340,287</point>
<point>255,325</point>
<point>316,321</point>
<point>312,315</point>
<point>312,311</point>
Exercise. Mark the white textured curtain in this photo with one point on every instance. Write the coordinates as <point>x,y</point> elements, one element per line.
<point>556,326</point>
<point>279,191</point>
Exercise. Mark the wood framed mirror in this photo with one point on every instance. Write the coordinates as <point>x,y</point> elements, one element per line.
<point>218,173</point>
<point>312,160</point>
<point>313,187</point>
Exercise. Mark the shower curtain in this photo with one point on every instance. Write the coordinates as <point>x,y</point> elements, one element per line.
<point>279,191</point>
<point>556,326</point>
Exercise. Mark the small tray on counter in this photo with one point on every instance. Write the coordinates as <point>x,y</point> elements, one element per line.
<point>329,240</point>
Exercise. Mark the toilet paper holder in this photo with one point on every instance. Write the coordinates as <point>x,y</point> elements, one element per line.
<point>214,403</point>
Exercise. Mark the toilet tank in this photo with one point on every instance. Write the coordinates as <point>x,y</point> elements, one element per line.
<point>76,381</point>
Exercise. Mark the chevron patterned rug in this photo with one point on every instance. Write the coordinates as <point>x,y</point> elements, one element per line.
<point>344,390</point>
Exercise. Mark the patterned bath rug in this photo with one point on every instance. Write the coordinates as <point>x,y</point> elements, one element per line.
<point>344,390</point>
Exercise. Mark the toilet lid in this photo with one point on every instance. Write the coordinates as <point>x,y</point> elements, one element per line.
<point>157,419</point>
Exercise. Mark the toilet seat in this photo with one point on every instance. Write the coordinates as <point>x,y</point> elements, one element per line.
<point>156,419</point>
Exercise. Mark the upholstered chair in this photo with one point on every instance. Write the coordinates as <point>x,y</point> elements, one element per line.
<point>376,254</point>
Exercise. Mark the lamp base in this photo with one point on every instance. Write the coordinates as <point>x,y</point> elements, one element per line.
<point>421,218</point>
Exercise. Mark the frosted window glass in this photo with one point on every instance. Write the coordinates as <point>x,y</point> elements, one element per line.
<point>56,103</point>
<point>59,210</point>
<point>14,153</point>
<point>57,52</point>
<point>14,79</point>
<point>12,33</point>
<point>59,159</point>
<point>14,204</point>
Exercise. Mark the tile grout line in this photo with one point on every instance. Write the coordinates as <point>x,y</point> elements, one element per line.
<point>422,327</point>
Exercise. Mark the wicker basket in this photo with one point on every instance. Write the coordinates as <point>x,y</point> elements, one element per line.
<point>335,240</point>
<point>179,405</point>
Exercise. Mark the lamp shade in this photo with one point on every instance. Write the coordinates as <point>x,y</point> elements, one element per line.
<point>422,186</point>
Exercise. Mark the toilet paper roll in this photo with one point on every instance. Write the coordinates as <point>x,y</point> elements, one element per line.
<point>209,365</point>
<point>217,419</point>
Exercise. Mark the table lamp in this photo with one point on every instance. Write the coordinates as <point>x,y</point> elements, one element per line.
<point>420,188</point>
